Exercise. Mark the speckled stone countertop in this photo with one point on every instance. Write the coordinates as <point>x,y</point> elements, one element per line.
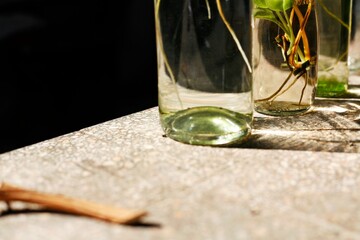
<point>296,178</point>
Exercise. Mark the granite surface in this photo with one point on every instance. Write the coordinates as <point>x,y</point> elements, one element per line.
<point>296,178</point>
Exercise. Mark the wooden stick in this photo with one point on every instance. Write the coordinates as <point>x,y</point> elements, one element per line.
<point>61,203</point>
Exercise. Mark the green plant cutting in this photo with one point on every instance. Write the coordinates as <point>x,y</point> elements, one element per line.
<point>294,44</point>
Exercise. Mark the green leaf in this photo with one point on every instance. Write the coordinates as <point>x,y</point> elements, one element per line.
<point>275,5</point>
<point>264,13</point>
<point>268,14</point>
<point>260,3</point>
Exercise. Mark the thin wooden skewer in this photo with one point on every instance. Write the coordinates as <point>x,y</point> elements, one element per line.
<point>9,193</point>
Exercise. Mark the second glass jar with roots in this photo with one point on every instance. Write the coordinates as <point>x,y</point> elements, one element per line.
<point>285,43</point>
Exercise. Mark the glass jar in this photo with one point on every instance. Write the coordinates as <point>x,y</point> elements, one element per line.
<point>285,52</point>
<point>334,30</point>
<point>204,70</point>
<point>354,48</point>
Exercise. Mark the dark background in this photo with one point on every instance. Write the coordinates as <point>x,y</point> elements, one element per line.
<point>66,65</point>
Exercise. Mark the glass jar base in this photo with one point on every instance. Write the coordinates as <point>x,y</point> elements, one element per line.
<point>280,108</point>
<point>212,126</point>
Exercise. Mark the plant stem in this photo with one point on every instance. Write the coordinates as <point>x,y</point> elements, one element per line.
<point>333,15</point>
<point>233,34</point>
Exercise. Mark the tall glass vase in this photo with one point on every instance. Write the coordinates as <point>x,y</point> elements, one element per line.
<point>285,55</point>
<point>204,70</point>
<point>354,48</point>
<point>334,30</point>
